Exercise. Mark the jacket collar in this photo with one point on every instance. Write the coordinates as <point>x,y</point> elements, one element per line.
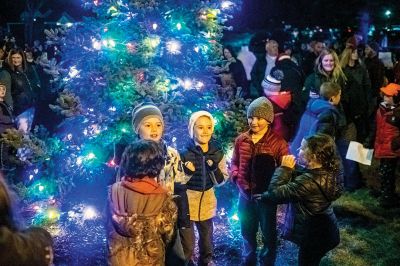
<point>196,149</point>
<point>247,135</point>
<point>145,185</point>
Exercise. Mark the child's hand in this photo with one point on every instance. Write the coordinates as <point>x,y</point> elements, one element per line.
<point>189,165</point>
<point>288,161</point>
<point>211,165</point>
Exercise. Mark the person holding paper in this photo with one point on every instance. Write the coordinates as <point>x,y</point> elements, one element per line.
<point>386,132</point>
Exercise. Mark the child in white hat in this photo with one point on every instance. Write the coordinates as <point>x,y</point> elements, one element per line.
<point>205,163</point>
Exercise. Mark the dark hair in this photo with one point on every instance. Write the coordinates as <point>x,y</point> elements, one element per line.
<point>13,52</point>
<point>323,147</point>
<point>6,213</point>
<point>329,89</point>
<point>230,49</point>
<point>142,158</point>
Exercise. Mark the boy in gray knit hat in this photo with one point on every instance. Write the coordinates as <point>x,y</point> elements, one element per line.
<point>256,154</point>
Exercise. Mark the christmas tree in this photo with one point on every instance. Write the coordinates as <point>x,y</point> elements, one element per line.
<point>127,52</point>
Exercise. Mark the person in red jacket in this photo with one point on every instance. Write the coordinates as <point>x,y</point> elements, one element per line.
<point>386,132</point>
<point>257,153</point>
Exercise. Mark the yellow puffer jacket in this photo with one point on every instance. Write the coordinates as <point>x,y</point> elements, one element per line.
<point>202,205</point>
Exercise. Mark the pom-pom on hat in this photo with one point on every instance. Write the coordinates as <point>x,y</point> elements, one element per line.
<point>261,107</point>
<point>197,115</point>
<point>145,110</point>
<point>272,83</point>
<point>392,89</point>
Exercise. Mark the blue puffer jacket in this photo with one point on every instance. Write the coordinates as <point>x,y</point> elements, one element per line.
<point>204,177</point>
<point>320,117</point>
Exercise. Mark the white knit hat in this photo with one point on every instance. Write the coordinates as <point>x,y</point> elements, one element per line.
<point>197,115</point>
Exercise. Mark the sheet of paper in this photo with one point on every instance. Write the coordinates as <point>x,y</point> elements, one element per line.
<point>357,152</point>
<point>386,58</point>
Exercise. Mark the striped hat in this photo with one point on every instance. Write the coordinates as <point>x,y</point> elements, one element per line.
<point>142,111</point>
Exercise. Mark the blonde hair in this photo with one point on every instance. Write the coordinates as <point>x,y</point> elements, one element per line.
<point>345,57</point>
<point>337,73</point>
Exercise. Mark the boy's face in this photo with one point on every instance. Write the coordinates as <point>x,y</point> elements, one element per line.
<point>336,99</point>
<point>257,124</point>
<point>2,91</point>
<point>272,48</point>
<point>202,130</point>
<point>151,129</point>
<point>388,99</point>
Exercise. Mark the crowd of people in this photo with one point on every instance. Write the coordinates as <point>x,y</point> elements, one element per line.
<point>292,82</point>
<point>302,116</point>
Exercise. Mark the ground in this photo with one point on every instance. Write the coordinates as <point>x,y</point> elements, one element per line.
<point>370,235</point>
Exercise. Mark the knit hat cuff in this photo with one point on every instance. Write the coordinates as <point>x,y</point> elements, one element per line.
<point>197,115</point>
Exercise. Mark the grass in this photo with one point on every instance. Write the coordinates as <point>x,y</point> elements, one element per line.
<point>370,235</point>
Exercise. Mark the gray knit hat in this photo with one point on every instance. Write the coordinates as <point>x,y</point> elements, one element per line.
<point>142,111</point>
<point>261,107</point>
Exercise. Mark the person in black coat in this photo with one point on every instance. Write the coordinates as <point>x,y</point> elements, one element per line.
<point>30,247</point>
<point>233,69</point>
<point>310,221</point>
<point>293,80</point>
<point>25,85</point>
<point>6,116</point>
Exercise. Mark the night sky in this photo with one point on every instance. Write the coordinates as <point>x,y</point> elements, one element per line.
<point>256,14</point>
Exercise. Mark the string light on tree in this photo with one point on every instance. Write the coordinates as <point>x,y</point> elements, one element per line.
<point>199,85</point>
<point>226,4</point>
<point>90,213</point>
<point>131,47</point>
<point>73,72</point>
<point>96,44</point>
<point>174,47</point>
<point>187,84</point>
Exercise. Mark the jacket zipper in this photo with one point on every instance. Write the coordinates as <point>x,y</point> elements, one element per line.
<point>203,173</point>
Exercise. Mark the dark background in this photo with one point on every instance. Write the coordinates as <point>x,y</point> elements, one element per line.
<point>255,14</point>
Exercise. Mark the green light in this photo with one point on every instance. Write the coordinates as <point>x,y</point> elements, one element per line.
<point>90,156</point>
<point>388,13</point>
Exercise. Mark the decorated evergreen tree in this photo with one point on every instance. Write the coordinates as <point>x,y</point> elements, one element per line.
<point>127,52</point>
